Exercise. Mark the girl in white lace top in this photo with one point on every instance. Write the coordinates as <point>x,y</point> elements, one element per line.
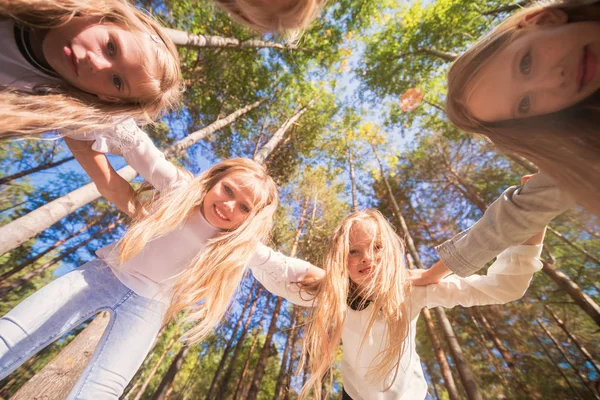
<point>188,249</point>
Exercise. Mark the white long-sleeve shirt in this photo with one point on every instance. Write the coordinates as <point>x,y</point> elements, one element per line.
<point>506,280</point>
<point>153,271</point>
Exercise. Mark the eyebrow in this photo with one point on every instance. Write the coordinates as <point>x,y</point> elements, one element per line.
<point>121,56</point>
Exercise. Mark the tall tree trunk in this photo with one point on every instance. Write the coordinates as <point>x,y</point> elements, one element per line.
<point>167,380</point>
<point>229,346</point>
<point>185,39</point>
<point>290,370</point>
<point>268,148</point>
<point>41,254</point>
<point>581,375</point>
<point>242,387</point>
<point>464,371</point>
<point>148,379</point>
<point>489,331</point>
<point>575,246</point>
<point>444,55</point>
<point>352,182</point>
<point>573,339</point>
<point>581,298</point>
<point>42,167</point>
<point>558,368</point>
<point>286,354</point>
<point>562,280</point>
<point>58,377</point>
<point>239,345</point>
<point>28,226</point>
<point>5,289</point>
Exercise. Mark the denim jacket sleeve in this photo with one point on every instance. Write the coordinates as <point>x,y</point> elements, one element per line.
<point>519,213</point>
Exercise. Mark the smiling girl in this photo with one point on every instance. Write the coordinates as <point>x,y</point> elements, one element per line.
<point>368,302</point>
<point>531,86</point>
<point>188,249</point>
<point>82,64</point>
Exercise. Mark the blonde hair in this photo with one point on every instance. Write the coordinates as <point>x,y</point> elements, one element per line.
<point>206,286</point>
<point>388,292</point>
<point>295,15</point>
<point>63,107</point>
<point>565,144</point>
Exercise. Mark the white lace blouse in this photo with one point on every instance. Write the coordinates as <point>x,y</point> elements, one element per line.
<point>153,271</point>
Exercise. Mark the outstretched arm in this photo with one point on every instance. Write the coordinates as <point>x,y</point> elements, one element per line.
<point>506,280</point>
<point>280,274</point>
<point>516,215</point>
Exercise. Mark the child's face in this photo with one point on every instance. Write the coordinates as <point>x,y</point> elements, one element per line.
<point>365,253</point>
<point>102,58</point>
<point>228,203</point>
<point>547,68</point>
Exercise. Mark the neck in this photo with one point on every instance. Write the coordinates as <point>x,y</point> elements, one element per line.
<point>36,41</point>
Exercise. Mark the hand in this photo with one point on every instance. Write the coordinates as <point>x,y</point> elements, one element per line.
<point>424,277</point>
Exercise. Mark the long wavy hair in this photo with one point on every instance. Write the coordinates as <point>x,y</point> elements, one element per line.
<point>61,106</point>
<point>205,288</point>
<point>387,291</point>
<point>292,16</point>
<point>566,143</point>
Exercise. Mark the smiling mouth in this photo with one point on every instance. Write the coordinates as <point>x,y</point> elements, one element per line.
<point>220,214</point>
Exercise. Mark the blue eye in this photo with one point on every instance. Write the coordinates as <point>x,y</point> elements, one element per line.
<point>525,64</point>
<point>244,208</point>
<point>524,105</point>
<point>228,190</point>
<point>353,252</point>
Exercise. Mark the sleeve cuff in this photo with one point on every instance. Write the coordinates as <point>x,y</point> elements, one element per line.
<point>454,261</point>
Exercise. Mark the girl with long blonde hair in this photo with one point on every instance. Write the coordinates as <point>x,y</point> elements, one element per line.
<point>368,302</point>
<point>82,65</point>
<point>187,250</point>
<point>530,86</point>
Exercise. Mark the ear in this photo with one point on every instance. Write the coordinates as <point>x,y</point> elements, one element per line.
<point>109,99</point>
<point>544,17</point>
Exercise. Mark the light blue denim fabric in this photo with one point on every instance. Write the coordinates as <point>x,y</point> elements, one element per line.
<point>519,213</point>
<point>64,304</point>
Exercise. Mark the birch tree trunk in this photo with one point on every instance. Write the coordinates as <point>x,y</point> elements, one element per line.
<point>41,254</point>
<point>5,289</point>
<point>30,225</point>
<point>268,148</point>
<point>185,39</point>
<point>352,182</point>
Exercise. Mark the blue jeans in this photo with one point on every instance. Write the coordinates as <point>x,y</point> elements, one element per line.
<point>64,304</point>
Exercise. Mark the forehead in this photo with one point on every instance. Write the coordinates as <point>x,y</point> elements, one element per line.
<point>363,232</point>
<point>246,184</point>
<point>492,91</point>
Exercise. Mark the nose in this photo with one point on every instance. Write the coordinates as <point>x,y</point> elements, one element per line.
<point>230,205</point>
<point>553,79</point>
<point>96,62</point>
<point>366,258</point>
